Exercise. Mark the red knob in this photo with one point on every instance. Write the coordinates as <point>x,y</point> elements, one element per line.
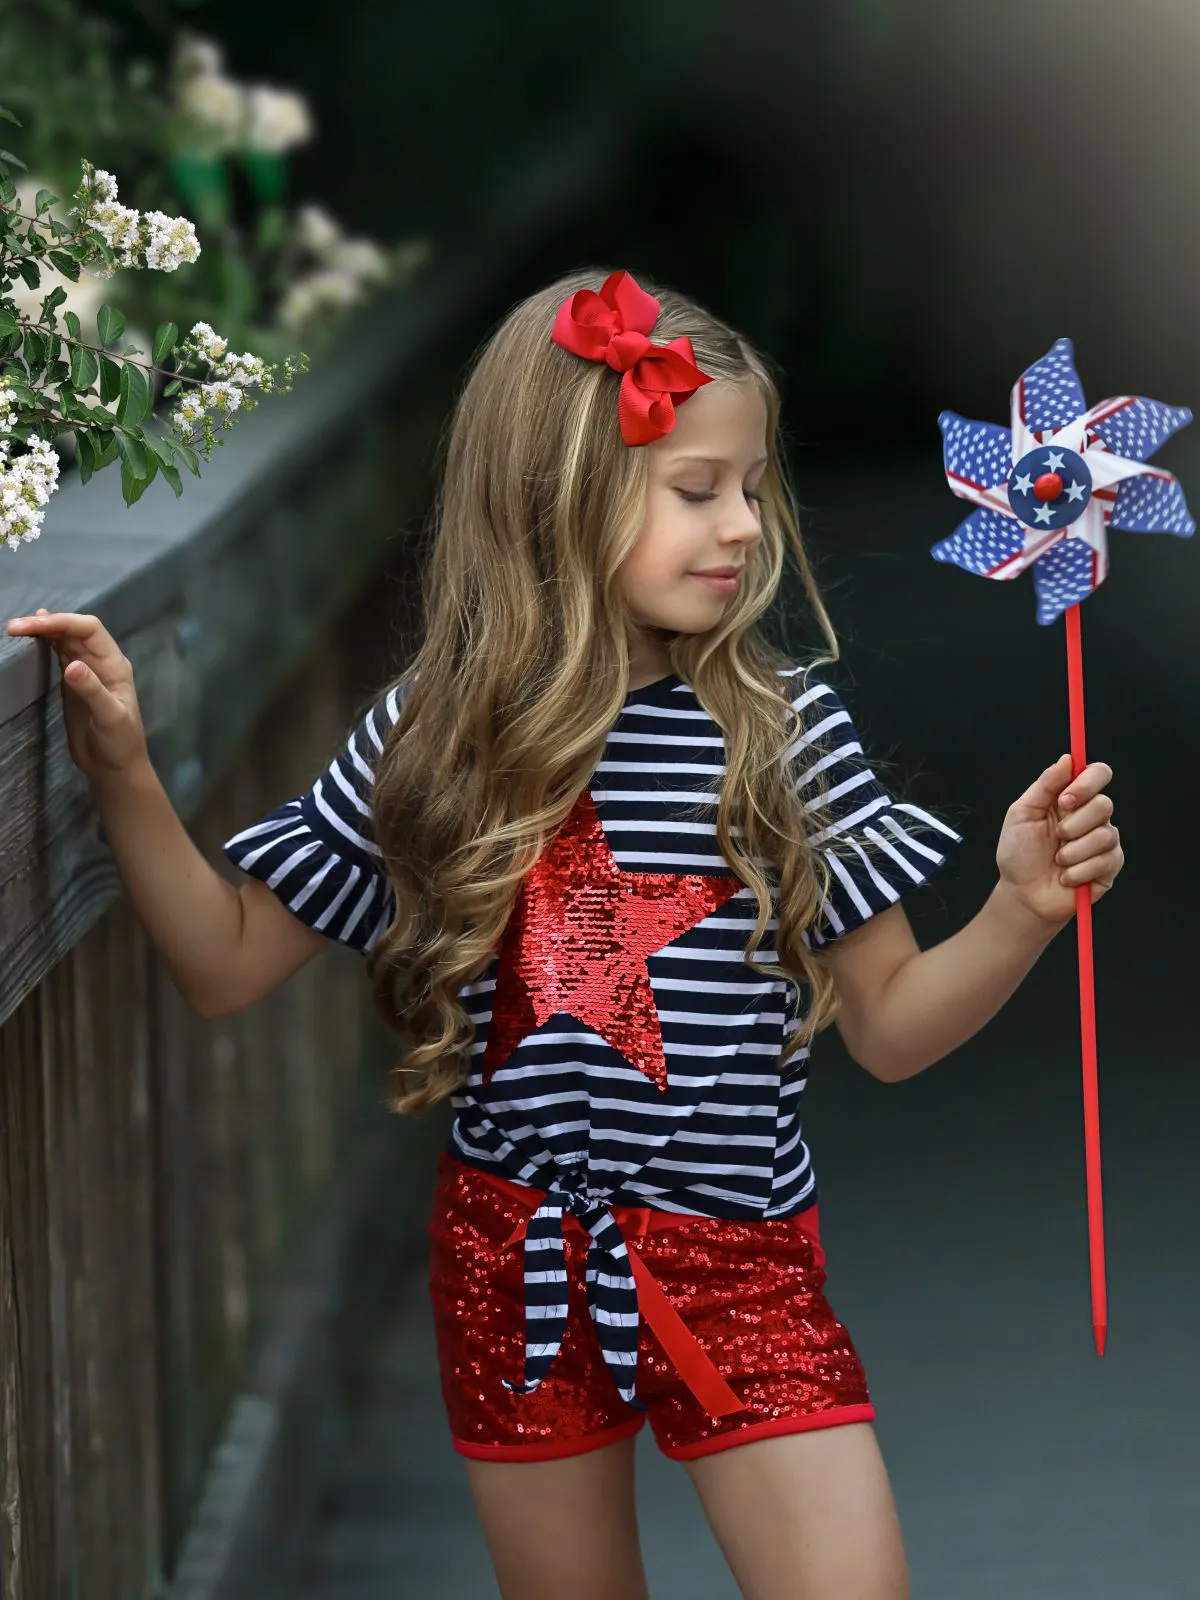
<point>1049,486</point>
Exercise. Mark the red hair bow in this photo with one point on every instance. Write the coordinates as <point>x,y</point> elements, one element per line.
<point>615,326</point>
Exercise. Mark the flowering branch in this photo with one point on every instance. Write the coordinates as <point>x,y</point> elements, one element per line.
<point>54,381</point>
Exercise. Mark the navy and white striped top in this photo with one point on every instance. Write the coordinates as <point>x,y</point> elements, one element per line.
<point>565,1110</point>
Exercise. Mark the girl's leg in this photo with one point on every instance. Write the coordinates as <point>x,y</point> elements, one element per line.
<point>558,1528</point>
<point>806,1516</point>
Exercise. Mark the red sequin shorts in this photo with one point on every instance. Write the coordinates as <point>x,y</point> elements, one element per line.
<point>725,1306</point>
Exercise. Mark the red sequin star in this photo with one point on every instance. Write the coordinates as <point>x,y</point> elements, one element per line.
<point>578,938</point>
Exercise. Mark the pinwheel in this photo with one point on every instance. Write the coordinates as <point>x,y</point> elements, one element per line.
<point>1046,491</point>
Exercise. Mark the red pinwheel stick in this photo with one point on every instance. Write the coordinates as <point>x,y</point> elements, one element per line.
<point>1087,1007</point>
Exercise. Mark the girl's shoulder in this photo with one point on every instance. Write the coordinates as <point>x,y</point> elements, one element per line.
<point>367,738</point>
<point>812,697</point>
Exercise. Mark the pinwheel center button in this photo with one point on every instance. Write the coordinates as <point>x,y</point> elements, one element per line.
<point>1049,486</point>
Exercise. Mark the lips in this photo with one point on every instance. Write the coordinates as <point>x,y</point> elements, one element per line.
<point>720,572</point>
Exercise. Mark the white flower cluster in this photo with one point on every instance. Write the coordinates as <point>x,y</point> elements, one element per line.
<point>172,241</point>
<point>226,115</point>
<point>232,376</point>
<point>209,344</point>
<point>26,483</point>
<point>277,119</point>
<point>216,108</point>
<point>344,268</point>
<point>324,290</point>
<point>247,371</point>
<point>155,240</point>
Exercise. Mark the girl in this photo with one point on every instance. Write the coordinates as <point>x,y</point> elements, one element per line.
<point>613,864</point>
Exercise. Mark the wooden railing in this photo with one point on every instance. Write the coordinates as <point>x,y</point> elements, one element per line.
<point>194,1215</point>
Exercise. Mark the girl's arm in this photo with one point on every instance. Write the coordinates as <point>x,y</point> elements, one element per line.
<point>225,948</point>
<point>903,1008</point>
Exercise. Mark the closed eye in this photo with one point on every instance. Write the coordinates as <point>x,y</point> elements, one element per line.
<point>695,497</point>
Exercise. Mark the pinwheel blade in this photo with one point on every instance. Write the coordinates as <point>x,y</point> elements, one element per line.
<point>1064,576</point>
<point>978,459</point>
<point>1135,427</point>
<point>1152,503</point>
<point>986,544</point>
<point>1048,394</point>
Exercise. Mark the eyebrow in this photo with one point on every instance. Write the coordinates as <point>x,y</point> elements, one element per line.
<point>717,461</point>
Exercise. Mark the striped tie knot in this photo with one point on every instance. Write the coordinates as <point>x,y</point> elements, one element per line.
<point>611,1290</point>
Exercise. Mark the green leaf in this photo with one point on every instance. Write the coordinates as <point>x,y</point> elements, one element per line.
<point>29,271</point>
<point>104,445</point>
<point>172,388</point>
<point>13,161</point>
<point>8,189</point>
<point>85,454</point>
<point>111,324</point>
<point>132,453</point>
<point>45,199</point>
<point>162,450</point>
<point>85,369</point>
<point>134,404</point>
<point>166,337</point>
<point>8,322</point>
<point>51,303</point>
<point>133,484</point>
<point>189,458</point>
<point>160,447</point>
<point>34,350</point>
<point>110,379</point>
<point>73,327</point>
<point>10,117</point>
<point>65,264</point>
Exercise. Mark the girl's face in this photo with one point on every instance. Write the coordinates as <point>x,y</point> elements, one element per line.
<point>702,518</point>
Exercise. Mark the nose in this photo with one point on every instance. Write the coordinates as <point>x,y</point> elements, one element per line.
<point>742,531</point>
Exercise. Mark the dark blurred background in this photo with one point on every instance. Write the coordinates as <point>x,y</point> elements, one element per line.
<point>904,203</point>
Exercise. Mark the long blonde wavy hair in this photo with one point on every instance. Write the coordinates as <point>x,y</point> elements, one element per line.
<point>524,665</point>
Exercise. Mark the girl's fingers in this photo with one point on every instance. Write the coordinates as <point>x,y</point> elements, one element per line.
<point>1097,775</point>
<point>103,706</point>
<point>1101,868</point>
<point>75,637</point>
<point>1099,842</point>
<point>1043,793</point>
<point>1093,814</point>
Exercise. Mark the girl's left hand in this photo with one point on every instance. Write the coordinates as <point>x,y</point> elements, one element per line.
<point>1059,835</point>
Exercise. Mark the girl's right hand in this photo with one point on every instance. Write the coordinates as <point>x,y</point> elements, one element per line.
<point>100,708</point>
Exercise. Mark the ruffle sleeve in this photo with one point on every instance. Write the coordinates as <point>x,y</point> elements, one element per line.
<point>316,851</point>
<point>876,848</point>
